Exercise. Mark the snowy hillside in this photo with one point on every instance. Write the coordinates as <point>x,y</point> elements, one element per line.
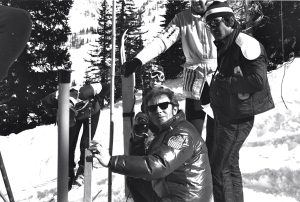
<point>270,159</point>
<point>83,14</point>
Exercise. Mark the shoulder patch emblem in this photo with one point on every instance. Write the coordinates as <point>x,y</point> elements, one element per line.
<point>250,47</point>
<point>178,142</point>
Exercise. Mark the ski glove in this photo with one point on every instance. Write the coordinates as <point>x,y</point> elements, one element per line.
<point>131,66</point>
<point>141,127</point>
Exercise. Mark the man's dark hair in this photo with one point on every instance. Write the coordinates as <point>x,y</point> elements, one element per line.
<point>155,92</point>
<point>230,21</point>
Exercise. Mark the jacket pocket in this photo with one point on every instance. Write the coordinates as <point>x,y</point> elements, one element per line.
<point>262,102</point>
<point>240,108</point>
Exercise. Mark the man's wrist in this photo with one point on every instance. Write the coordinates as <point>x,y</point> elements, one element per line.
<point>108,163</point>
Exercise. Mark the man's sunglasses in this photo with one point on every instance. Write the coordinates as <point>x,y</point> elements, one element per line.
<point>158,74</point>
<point>163,106</point>
<point>215,22</point>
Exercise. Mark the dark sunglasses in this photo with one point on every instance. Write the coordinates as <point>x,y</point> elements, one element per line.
<point>163,105</point>
<point>215,22</point>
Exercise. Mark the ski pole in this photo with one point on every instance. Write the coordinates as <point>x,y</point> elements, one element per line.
<point>112,97</point>
<point>5,179</point>
<point>3,197</point>
<point>63,135</point>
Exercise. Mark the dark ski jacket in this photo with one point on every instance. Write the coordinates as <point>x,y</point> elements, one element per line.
<point>176,163</point>
<point>240,88</point>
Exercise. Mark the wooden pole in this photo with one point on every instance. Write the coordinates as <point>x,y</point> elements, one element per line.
<point>63,136</point>
<point>112,97</point>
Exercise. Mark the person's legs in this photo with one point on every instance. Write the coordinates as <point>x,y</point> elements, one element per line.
<point>141,190</point>
<point>85,135</point>
<point>210,137</point>
<point>236,176</point>
<point>84,144</point>
<point>219,167</point>
<point>15,29</point>
<point>194,113</point>
<point>227,181</point>
<point>194,110</point>
<point>73,137</point>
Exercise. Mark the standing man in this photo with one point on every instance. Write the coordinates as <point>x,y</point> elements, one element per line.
<point>81,98</point>
<point>200,53</point>
<point>93,96</point>
<point>176,163</point>
<point>239,90</point>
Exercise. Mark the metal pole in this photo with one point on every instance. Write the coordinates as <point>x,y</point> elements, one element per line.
<point>6,181</point>
<point>63,135</point>
<point>112,98</point>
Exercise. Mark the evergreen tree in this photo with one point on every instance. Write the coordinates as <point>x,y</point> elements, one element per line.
<point>173,57</point>
<point>34,74</point>
<point>274,29</point>
<point>262,19</point>
<point>128,18</point>
<point>101,53</point>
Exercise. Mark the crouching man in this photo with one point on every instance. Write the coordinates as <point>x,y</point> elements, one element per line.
<point>176,163</point>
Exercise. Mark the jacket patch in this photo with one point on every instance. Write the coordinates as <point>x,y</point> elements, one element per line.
<point>179,141</point>
<point>250,47</point>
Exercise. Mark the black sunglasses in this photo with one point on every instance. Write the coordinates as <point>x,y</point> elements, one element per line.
<point>215,22</point>
<point>163,105</point>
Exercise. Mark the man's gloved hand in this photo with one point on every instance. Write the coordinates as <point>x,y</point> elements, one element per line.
<point>141,127</point>
<point>140,130</point>
<point>130,66</point>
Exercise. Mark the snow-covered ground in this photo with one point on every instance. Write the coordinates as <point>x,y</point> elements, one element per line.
<point>270,160</point>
